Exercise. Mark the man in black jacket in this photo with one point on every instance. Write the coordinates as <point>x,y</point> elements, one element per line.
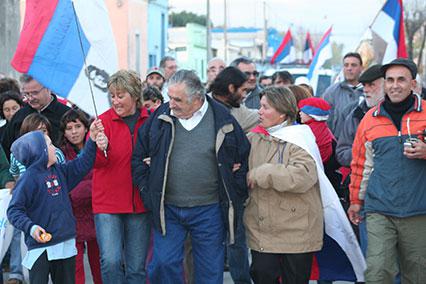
<point>39,99</point>
<point>190,164</point>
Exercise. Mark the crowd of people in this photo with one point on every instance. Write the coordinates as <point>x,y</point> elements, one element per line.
<point>179,180</point>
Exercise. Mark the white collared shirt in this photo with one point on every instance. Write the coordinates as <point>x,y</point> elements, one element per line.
<point>196,117</point>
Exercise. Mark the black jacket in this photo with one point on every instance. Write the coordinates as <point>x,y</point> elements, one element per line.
<point>53,113</point>
<point>155,140</point>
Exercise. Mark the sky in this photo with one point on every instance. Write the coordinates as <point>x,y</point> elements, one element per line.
<point>349,18</point>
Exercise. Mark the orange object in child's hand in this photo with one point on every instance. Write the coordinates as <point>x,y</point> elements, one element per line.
<point>46,237</point>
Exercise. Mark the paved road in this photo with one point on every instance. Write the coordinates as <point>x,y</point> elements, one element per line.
<point>226,277</point>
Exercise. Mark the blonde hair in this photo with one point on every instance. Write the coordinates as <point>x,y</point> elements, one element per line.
<point>282,100</point>
<point>129,81</point>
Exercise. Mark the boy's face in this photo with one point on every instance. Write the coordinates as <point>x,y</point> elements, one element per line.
<point>151,105</point>
<point>304,117</point>
<point>50,151</point>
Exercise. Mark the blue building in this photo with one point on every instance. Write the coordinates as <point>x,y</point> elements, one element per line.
<point>158,22</point>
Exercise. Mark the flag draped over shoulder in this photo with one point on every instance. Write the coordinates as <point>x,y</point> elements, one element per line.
<point>322,54</point>
<point>341,257</point>
<point>285,52</point>
<point>54,43</point>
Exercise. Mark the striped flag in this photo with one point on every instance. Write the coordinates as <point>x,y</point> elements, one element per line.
<point>285,52</point>
<point>308,50</point>
<point>341,257</point>
<point>384,40</point>
<point>389,27</point>
<point>52,49</point>
<point>322,54</point>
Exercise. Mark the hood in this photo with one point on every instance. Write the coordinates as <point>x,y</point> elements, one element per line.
<point>30,149</point>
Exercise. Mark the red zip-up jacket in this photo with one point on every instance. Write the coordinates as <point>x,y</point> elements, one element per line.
<point>113,191</point>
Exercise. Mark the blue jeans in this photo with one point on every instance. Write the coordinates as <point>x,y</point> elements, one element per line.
<point>123,241</point>
<point>238,256</point>
<point>15,256</point>
<point>206,227</point>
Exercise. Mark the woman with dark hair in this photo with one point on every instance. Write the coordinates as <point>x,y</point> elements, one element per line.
<point>283,217</point>
<point>74,127</point>
<point>10,103</point>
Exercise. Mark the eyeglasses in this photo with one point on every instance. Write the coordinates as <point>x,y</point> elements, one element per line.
<point>254,73</point>
<point>33,93</point>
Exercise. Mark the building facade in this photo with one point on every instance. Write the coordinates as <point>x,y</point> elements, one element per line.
<point>157,31</point>
<point>189,46</point>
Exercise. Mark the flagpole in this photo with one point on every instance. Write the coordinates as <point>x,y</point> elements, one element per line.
<point>377,14</point>
<point>85,65</point>
<point>84,60</point>
<point>372,22</point>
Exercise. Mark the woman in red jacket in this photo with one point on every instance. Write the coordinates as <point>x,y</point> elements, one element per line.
<point>74,126</point>
<point>122,223</point>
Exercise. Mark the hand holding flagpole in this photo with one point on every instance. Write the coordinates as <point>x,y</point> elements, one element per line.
<point>85,67</point>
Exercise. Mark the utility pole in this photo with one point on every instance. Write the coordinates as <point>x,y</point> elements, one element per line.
<point>9,34</point>
<point>225,34</point>
<point>265,33</point>
<point>209,35</point>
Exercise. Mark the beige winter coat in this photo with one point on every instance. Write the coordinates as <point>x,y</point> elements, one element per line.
<point>284,211</point>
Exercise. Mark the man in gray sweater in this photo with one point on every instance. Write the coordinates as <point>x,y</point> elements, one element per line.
<point>194,182</point>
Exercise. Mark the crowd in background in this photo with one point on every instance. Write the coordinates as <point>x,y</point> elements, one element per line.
<point>190,178</point>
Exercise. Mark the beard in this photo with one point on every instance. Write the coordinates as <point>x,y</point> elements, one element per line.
<point>234,100</point>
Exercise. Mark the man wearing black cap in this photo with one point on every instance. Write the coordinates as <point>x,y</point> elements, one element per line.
<point>372,80</point>
<point>388,178</point>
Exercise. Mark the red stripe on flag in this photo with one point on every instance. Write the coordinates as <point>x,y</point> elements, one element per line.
<point>314,269</point>
<point>38,14</point>
<point>285,41</point>
<point>402,48</point>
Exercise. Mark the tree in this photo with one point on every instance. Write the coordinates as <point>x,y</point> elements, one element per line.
<point>415,27</point>
<point>184,17</point>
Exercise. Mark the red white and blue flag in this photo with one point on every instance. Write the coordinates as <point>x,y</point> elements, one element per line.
<point>308,50</point>
<point>285,52</point>
<point>54,43</point>
<point>321,55</point>
<point>341,257</point>
<point>388,31</point>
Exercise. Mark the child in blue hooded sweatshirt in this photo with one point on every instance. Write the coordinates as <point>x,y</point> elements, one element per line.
<point>41,205</point>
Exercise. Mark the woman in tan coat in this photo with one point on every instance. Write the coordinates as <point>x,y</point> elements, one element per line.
<point>283,217</point>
